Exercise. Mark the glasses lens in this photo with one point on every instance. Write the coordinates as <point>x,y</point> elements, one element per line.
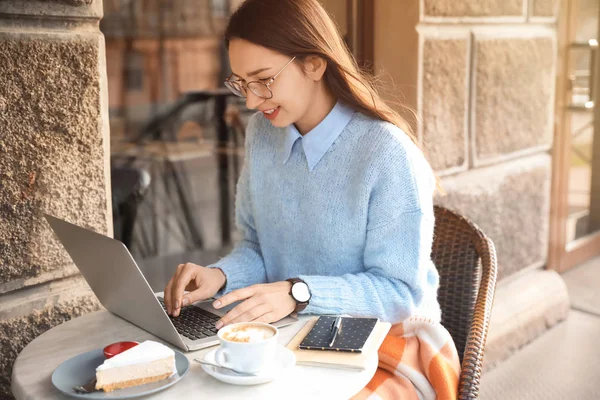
<point>260,89</point>
<point>236,88</point>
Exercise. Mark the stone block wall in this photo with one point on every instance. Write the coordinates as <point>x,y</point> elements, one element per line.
<point>485,94</point>
<point>54,159</point>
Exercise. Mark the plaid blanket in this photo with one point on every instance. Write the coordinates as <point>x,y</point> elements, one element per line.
<point>417,360</point>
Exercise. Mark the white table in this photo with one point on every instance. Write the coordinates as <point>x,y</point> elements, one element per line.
<point>35,364</point>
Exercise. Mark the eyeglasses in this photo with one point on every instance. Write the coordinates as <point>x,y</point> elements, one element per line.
<point>261,89</point>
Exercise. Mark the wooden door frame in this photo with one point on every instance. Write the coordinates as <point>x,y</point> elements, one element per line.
<point>562,255</point>
<point>361,31</point>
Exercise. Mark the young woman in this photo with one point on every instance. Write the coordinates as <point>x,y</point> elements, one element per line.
<point>335,198</point>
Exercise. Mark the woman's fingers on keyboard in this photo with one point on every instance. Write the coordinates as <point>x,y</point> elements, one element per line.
<point>194,296</point>
<point>187,274</point>
<point>169,290</point>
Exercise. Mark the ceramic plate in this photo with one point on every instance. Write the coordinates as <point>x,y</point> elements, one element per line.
<point>284,360</point>
<point>80,369</point>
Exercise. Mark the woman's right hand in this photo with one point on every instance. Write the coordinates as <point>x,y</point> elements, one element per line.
<point>201,283</point>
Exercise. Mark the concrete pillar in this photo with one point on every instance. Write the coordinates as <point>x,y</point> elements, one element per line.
<point>54,158</point>
<point>481,76</point>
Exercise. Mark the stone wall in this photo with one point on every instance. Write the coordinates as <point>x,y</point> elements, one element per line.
<point>53,159</point>
<point>485,93</point>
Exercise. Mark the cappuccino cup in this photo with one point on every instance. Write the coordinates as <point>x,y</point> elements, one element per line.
<point>247,346</point>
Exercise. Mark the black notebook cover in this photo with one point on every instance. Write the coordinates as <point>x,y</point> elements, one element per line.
<point>352,336</point>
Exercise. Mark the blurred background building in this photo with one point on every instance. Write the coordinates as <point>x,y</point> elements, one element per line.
<point>157,50</point>
<point>505,91</point>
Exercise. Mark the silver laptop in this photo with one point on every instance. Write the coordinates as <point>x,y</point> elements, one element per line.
<point>117,281</point>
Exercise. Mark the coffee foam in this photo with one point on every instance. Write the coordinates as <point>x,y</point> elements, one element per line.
<point>248,334</point>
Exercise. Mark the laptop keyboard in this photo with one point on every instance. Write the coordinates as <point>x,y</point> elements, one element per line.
<point>194,323</point>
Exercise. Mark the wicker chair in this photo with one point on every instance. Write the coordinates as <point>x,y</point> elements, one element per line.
<point>466,260</point>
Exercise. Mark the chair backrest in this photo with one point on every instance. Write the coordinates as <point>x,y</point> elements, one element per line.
<point>466,261</point>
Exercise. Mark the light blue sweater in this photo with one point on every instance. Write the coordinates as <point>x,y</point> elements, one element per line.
<point>347,208</point>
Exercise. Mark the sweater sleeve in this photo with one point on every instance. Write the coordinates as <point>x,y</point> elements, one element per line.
<point>244,266</point>
<point>398,272</point>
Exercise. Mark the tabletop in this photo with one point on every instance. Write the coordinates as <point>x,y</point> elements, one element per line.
<point>34,366</point>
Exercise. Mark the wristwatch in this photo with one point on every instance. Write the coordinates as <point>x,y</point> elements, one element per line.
<point>300,293</point>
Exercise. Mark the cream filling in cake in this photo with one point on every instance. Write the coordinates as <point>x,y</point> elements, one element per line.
<point>147,362</point>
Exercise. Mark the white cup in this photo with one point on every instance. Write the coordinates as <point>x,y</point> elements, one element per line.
<point>250,356</point>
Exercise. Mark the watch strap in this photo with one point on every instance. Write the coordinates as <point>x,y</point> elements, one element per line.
<point>299,305</point>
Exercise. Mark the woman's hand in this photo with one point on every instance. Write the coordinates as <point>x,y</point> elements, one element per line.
<point>201,282</point>
<point>263,303</point>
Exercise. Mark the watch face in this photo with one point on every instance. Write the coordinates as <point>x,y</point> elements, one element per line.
<point>300,292</point>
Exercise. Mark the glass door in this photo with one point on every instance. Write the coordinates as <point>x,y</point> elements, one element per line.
<point>575,222</point>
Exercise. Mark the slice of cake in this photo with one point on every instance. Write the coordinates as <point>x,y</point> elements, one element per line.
<point>147,362</point>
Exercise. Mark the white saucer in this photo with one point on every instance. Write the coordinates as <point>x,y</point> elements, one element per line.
<point>284,360</point>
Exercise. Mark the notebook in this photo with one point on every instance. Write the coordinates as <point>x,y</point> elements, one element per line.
<point>338,359</point>
<point>351,337</point>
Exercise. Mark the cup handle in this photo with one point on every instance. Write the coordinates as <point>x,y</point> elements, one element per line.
<point>221,357</point>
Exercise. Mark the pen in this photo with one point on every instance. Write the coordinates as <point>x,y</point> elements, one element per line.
<point>336,328</point>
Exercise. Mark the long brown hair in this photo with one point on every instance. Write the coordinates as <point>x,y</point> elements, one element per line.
<point>303,28</point>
